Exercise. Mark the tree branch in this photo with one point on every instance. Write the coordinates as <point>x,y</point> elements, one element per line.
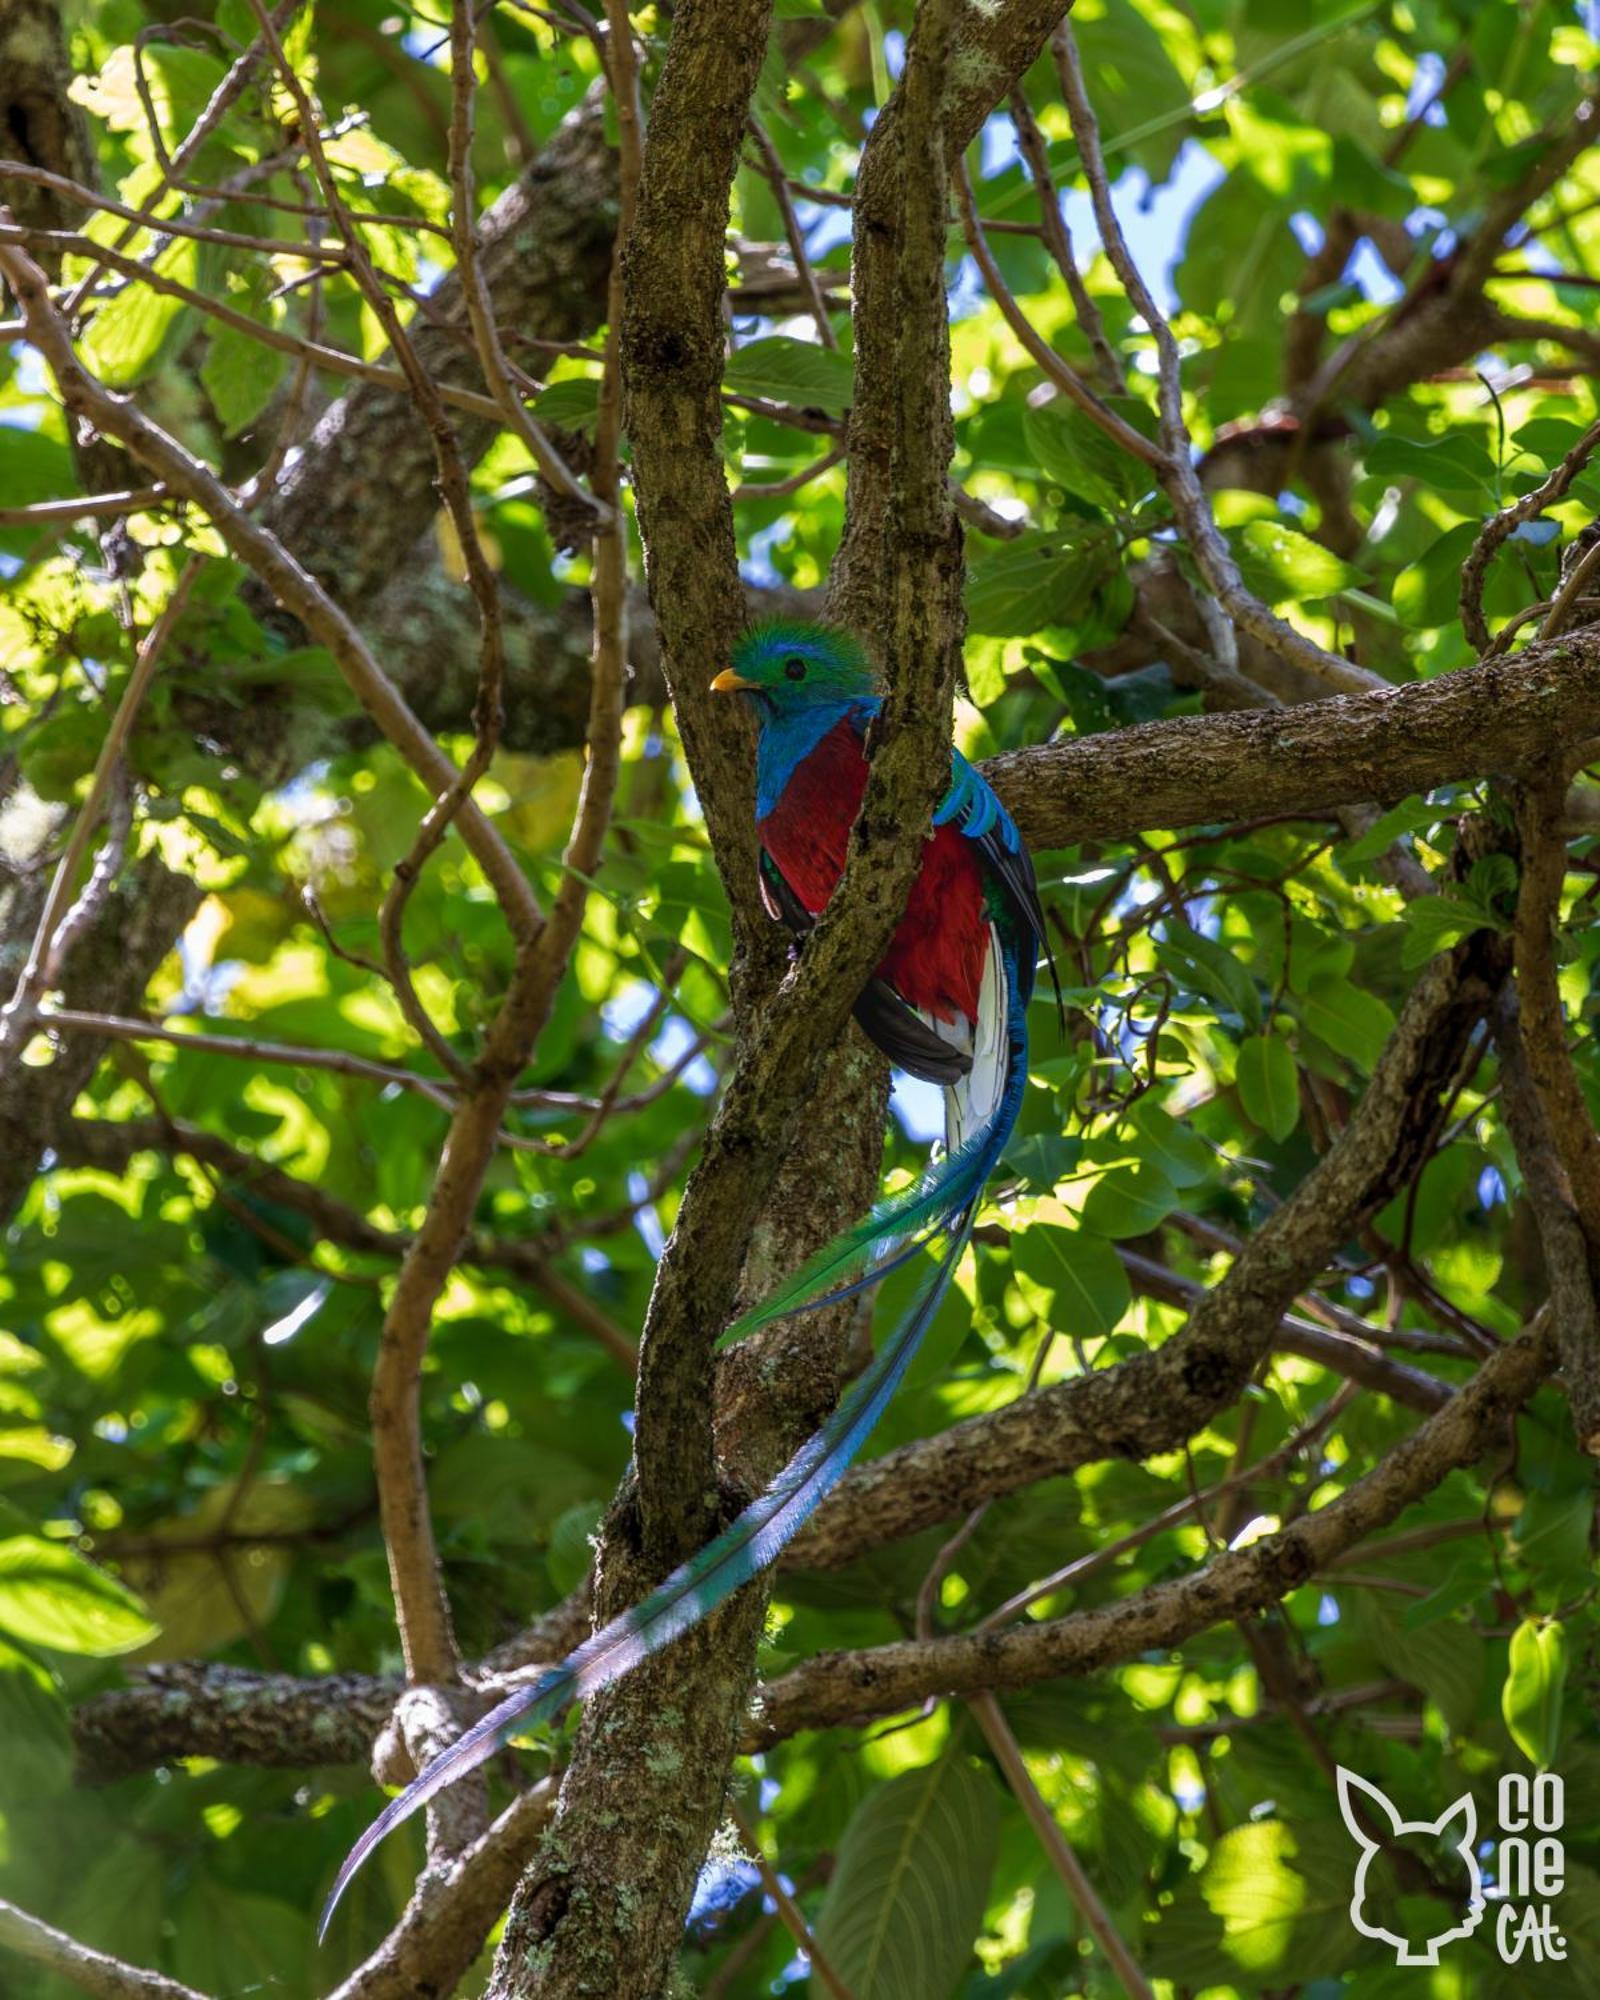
<point>837,1688</point>
<point>1502,716</point>
<point>106,1978</point>
<point>453,1909</point>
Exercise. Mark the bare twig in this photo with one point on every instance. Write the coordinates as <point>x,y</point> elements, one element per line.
<point>1355,1355</point>
<point>246,1048</point>
<point>304,247</point>
<point>469,401</point>
<point>776,488</point>
<point>1056,370</point>
<point>474,289</point>
<point>1557,1145</point>
<point>790,1914</point>
<point>990,1718</point>
<point>1239,1480</point>
<point>1544,867</point>
<point>772,167</point>
<point>93,506</point>
<point>1570,596</point>
<point>1178,477</point>
<point>1058,241</point>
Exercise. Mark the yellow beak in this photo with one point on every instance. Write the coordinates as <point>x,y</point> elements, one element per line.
<point>728,682</point>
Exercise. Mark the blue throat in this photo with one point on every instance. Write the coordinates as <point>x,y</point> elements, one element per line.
<point>789,735</point>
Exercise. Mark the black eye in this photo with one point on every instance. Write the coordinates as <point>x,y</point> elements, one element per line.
<point>794,668</point>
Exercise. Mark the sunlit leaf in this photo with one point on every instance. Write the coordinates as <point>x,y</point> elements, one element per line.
<point>1536,1677</point>
<point>50,1596</point>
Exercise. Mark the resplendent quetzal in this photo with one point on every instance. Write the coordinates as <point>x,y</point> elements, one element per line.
<point>948,1003</point>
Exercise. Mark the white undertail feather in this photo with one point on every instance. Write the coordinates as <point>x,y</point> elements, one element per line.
<point>971,1102</point>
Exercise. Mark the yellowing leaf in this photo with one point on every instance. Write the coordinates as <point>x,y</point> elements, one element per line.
<point>213,1583</point>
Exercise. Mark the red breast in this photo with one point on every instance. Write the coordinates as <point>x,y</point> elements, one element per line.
<point>935,959</point>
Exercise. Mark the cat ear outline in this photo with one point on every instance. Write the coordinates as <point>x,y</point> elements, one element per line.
<point>1354,1791</point>
<point>1466,1810</point>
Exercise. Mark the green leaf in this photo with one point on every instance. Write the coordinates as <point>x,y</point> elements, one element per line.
<point>1289,156</point>
<point>33,465</point>
<point>232,1940</point>
<point>1366,184</point>
<point>34,1729</point>
<point>782,369</point>
<point>1536,1676</point>
<point>1456,464</point>
<point>1043,1158</point>
<point>1185,1159</point>
<point>127,335</point>
<point>911,1883</point>
<point>1427,592</point>
<point>1491,881</point>
<point>1547,440</point>
<point>1081,1276</point>
<point>1282,566</point>
<point>1269,1086</point>
<point>1445,1661</point>
<point>60,750</point>
<point>1042,578</point>
<point>572,404</point>
<point>1465,1582</point>
<point>1410,816</point>
<point>1271,1908</point>
<point>1085,696</point>
<point>115,1900</point>
<point>1129,1201</point>
<point>1075,452</point>
<point>49,1596</point>
<point>1551,1535</point>
<point>1351,1022</point>
<point>241,377</point>
<point>1212,969</point>
<point>1434,923</point>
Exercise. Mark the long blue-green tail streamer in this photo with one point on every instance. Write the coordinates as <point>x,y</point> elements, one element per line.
<point>695,1589</point>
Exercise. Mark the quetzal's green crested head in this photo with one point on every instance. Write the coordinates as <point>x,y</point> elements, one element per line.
<point>789,664</point>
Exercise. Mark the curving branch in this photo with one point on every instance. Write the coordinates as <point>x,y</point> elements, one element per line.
<point>850,1687</point>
